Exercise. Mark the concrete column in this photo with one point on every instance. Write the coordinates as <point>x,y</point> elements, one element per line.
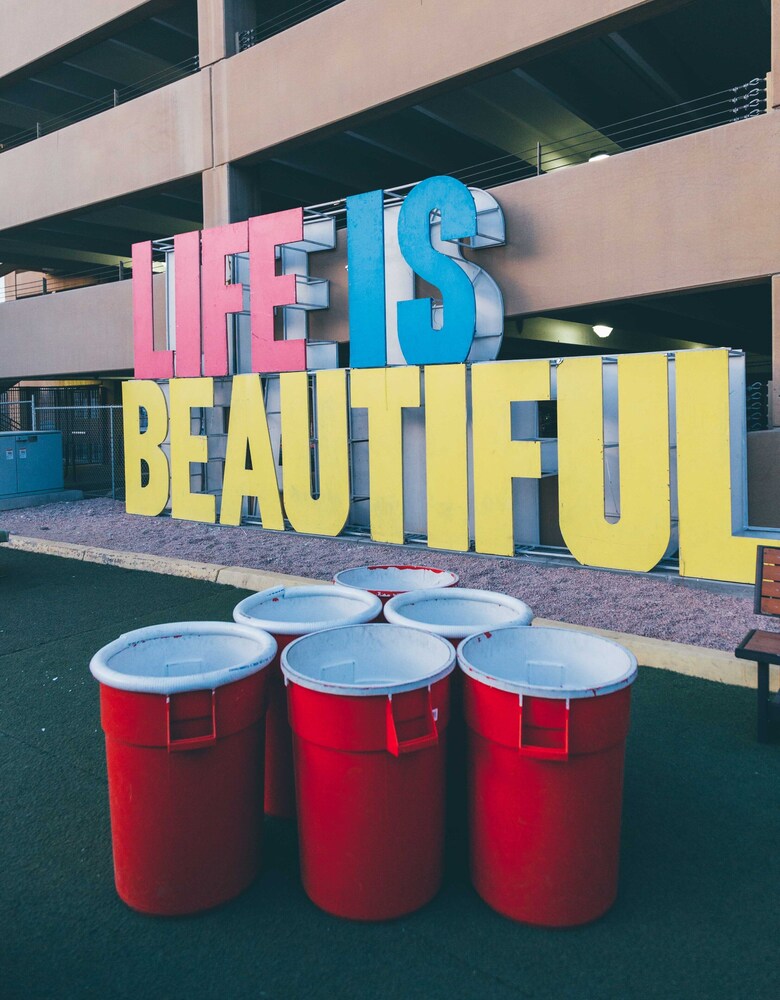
<point>773,93</point>
<point>218,22</point>
<point>228,196</point>
<point>774,385</point>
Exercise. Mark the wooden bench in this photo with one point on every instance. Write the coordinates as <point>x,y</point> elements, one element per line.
<point>764,647</point>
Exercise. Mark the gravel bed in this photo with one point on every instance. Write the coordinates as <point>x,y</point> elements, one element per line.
<point>617,601</point>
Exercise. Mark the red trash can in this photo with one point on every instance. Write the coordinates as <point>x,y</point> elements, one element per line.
<point>456,613</point>
<point>182,706</point>
<point>287,613</point>
<point>388,581</point>
<point>547,711</point>
<point>369,710</point>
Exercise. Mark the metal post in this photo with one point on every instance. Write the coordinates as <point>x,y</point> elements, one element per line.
<point>113,470</point>
<point>116,97</point>
<point>38,132</point>
<point>33,418</point>
<point>538,158</point>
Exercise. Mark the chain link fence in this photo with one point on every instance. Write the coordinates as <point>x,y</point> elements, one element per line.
<point>92,447</point>
<point>91,426</point>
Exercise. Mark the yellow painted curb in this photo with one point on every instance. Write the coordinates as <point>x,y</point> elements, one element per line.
<point>260,579</point>
<point>147,563</point>
<point>694,661</point>
<point>66,550</point>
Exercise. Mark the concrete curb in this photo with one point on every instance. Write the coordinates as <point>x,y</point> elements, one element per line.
<point>693,661</point>
<point>232,576</point>
<point>67,550</point>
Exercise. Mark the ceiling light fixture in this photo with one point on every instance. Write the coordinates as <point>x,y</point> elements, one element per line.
<point>598,156</point>
<point>602,331</point>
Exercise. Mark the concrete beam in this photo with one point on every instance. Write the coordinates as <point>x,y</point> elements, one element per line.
<point>303,86</point>
<point>79,332</point>
<point>39,32</point>
<point>158,138</point>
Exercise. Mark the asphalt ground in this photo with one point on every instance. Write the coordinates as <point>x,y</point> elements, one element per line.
<point>696,916</point>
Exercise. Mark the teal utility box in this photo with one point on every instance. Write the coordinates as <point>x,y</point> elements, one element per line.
<point>30,462</point>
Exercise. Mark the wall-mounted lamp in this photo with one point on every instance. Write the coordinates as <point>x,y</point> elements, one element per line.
<point>602,331</point>
<point>598,156</point>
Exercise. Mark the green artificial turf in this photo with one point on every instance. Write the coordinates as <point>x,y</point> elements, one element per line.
<point>697,914</point>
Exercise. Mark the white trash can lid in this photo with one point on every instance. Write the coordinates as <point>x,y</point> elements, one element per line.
<point>364,660</point>
<point>458,612</point>
<point>300,610</point>
<point>395,579</point>
<point>547,662</point>
<point>182,656</point>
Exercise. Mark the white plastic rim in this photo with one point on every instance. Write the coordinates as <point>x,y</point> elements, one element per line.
<point>547,662</point>
<point>182,656</point>
<point>456,613</point>
<point>300,610</point>
<point>365,660</point>
<point>390,580</point>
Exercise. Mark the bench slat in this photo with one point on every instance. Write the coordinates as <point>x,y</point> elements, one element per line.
<point>770,606</point>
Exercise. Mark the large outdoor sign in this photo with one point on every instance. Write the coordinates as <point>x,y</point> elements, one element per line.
<point>449,436</point>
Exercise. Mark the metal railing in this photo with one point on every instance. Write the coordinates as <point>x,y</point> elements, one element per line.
<point>281,22</point>
<point>746,100</point>
<point>118,96</point>
<point>48,285</point>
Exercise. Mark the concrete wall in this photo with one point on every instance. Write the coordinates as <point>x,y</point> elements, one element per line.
<point>79,332</point>
<point>157,138</point>
<point>33,30</point>
<point>691,212</point>
<point>593,233</point>
<point>304,80</point>
<point>681,214</point>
